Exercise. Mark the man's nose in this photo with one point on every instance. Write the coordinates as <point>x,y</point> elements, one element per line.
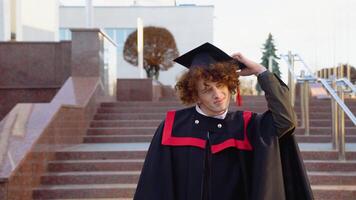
<point>216,93</point>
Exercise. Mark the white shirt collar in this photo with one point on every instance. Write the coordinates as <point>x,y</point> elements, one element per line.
<point>200,111</point>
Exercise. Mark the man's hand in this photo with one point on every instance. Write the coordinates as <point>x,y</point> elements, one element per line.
<point>251,66</point>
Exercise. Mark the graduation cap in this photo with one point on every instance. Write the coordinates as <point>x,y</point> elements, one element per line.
<point>205,55</point>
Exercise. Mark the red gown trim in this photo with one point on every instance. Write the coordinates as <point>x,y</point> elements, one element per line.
<point>168,139</point>
<point>238,144</point>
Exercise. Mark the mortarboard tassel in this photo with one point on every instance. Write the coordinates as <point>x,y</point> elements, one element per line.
<point>238,98</point>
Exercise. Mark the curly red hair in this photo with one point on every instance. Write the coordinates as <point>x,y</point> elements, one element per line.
<point>223,73</point>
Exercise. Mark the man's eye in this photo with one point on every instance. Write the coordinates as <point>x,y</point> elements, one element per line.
<point>206,90</point>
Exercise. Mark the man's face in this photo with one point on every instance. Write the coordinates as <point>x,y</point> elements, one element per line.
<point>213,97</point>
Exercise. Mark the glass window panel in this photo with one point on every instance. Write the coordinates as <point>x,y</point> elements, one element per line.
<point>65,34</point>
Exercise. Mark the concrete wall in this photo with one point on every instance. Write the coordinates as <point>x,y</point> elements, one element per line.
<point>32,72</point>
<point>37,20</point>
<point>34,64</point>
<point>5,28</point>
<point>190,25</point>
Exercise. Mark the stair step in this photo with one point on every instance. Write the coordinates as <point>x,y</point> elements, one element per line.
<point>325,122</point>
<point>100,138</point>
<point>85,191</point>
<point>124,177</point>
<point>258,109</point>
<point>97,155</point>
<point>161,109</point>
<point>330,165</point>
<point>248,100</point>
<point>161,116</point>
<point>122,131</point>
<point>131,164</point>
<point>326,155</point>
<point>111,154</point>
<point>151,130</point>
<point>125,123</point>
<point>332,178</point>
<point>318,130</point>
<point>87,199</point>
<point>108,164</point>
<point>333,192</point>
<point>95,165</point>
<point>129,116</point>
<point>155,123</point>
<point>108,177</point>
<point>117,138</point>
<point>322,138</point>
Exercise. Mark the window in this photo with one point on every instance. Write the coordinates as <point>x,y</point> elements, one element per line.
<point>119,36</point>
<point>65,34</point>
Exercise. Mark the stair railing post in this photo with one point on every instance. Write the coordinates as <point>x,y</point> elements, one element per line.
<point>341,127</point>
<point>342,71</point>
<point>306,109</point>
<point>348,76</point>
<point>348,72</point>
<point>334,113</point>
<point>302,102</point>
<point>329,73</point>
<point>291,84</point>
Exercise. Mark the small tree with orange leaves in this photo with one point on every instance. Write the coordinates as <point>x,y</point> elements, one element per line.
<point>159,50</point>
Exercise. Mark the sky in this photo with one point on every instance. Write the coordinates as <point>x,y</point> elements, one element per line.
<point>323,32</point>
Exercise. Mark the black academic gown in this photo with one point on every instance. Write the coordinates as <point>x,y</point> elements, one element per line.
<point>246,156</point>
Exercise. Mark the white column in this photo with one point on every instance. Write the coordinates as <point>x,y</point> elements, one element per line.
<point>140,46</point>
<point>89,13</point>
<point>5,20</point>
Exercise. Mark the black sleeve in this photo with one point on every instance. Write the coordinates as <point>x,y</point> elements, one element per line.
<point>278,101</point>
<point>156,181</point>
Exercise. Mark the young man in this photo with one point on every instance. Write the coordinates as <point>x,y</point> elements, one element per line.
<point>205,152</point>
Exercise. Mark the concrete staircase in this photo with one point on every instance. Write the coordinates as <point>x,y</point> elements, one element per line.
<point>107,165</point>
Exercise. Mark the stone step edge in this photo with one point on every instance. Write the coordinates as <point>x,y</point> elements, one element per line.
<point>142,160</point>
<point>89,199</point>
<point>118,136</point>
<point>133,186</point>
<point>93,173</point>
<point>79,173</point>
<point>334,187</point>
<point>86,186</point>
<point>98,161</point>
<point>74,173</point>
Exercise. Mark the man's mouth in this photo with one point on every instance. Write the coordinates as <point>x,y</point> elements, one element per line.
<point>220,101</point>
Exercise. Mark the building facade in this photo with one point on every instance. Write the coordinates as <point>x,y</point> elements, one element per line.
<point>191,25</point>
<point>29,20</point>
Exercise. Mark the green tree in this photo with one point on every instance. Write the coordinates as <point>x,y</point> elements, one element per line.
<point>159,50</point>
<point>269,50</point>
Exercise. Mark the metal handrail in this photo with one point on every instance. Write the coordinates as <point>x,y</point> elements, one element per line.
<point>304,63</point>
<point>312,78</point>
<point>338,100</point>
<point>348,83</point>
<point>290,68</point>
<point>338,122</point>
